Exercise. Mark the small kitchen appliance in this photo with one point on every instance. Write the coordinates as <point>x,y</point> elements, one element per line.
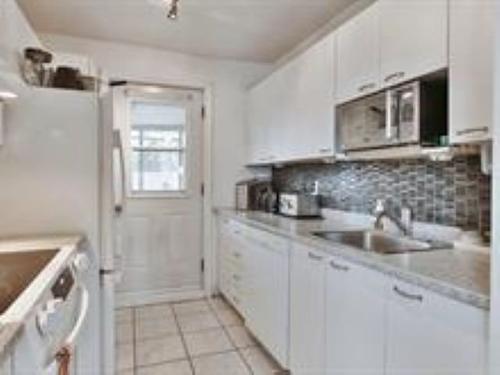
<point>299,205</point>
<point>410,114</point>
<point>255,194</point>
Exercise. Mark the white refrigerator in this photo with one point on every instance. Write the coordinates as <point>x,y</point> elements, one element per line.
<point>56,176</point>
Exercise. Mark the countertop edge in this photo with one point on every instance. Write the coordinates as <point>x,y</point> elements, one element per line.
<point>440,287</point>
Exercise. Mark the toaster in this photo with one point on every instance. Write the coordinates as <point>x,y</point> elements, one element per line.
<point>299,205</point>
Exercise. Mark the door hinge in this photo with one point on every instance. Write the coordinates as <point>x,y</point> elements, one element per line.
<point>202,265</point>
<point>203,112</point>
<point>202,189</point>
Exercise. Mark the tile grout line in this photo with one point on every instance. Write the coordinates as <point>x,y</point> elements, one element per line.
<point>224,328</point>
<point>183,339</point>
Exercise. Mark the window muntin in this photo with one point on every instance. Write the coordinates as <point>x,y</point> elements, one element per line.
<point>158,147</point>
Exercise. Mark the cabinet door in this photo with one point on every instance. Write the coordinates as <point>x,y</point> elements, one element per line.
<point>472,31</point>
<point>258,115</point>
<point>307,311</point>
<point>358,55</point>
<point>413,38</point>
<point>355,317</point>
<point>430,334</point>
<point>268,294</point>
<point>310,88</point>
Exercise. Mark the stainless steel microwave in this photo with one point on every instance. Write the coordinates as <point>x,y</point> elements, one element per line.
<point>413,113</point>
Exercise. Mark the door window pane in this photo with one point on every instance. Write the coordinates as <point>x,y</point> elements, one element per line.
<point>158,142</point>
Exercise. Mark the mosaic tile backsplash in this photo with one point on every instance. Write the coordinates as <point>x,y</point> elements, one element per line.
<point>452,193</point>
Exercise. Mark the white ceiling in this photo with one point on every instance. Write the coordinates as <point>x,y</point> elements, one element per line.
<point>253,30</point>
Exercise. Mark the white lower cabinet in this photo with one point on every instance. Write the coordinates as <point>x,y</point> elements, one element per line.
<point>319,314</point>
<point>232,261</point>
<point>307,311</point>
<point>355,316</point>
<point>253,276</point>
<point>433,335</point>
<point>268,293</point>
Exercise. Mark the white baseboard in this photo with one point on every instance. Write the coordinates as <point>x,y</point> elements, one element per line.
<point>132,299</point>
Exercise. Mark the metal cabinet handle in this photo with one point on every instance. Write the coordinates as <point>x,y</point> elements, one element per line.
<point>315,257</point>
<point>325,150</point>
<point>368,86</point>
<point>410,296</point>
<point>339,267</point>
<point>484,129</point>
<point>393,76</point>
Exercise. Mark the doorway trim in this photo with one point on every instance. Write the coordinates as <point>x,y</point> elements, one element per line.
<point>208,227</point>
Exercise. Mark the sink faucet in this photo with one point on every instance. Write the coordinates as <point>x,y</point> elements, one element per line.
<point>404,223</point>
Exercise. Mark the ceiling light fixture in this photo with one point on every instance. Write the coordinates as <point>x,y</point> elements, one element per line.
<point>173,10</point>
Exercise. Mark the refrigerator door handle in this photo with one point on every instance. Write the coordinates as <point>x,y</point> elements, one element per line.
<point>119,191</point>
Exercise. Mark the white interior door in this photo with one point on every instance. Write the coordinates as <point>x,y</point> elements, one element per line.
<point>162,219</point>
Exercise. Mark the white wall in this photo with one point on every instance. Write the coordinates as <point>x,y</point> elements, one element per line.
<point>15,34</point>
<point>495,248</point>
<point>229,80</point>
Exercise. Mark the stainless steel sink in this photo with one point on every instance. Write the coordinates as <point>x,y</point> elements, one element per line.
<point>380,242</point>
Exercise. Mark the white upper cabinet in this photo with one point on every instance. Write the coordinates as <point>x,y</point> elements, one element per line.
<point>358,55</point>
<point>430,334</point>
<point>291,113</point>
<point>307,311</point>
<point>413,38</point>
<point>355,317</point>
<point>472,31</point>
<point>259,124</point>
<point>310,86</point>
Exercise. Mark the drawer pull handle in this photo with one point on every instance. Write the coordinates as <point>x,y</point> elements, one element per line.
<point>473,130</point>
<point>325,150</point>
<point>393,76</point>
<point>412,297</point>
<point>315,257</point>
<point>339,267</point>
<point>368,86</point>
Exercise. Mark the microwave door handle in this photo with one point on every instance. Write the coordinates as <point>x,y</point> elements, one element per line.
<point>388,114</point>
<point>119,193</point>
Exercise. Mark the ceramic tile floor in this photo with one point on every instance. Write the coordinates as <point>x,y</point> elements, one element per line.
<point>199,337</point>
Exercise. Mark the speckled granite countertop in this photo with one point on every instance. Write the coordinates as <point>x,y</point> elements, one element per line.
<point>455,273</point>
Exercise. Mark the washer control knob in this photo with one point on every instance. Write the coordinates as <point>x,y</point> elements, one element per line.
<point>47,318</point>
<point>81,262</point>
